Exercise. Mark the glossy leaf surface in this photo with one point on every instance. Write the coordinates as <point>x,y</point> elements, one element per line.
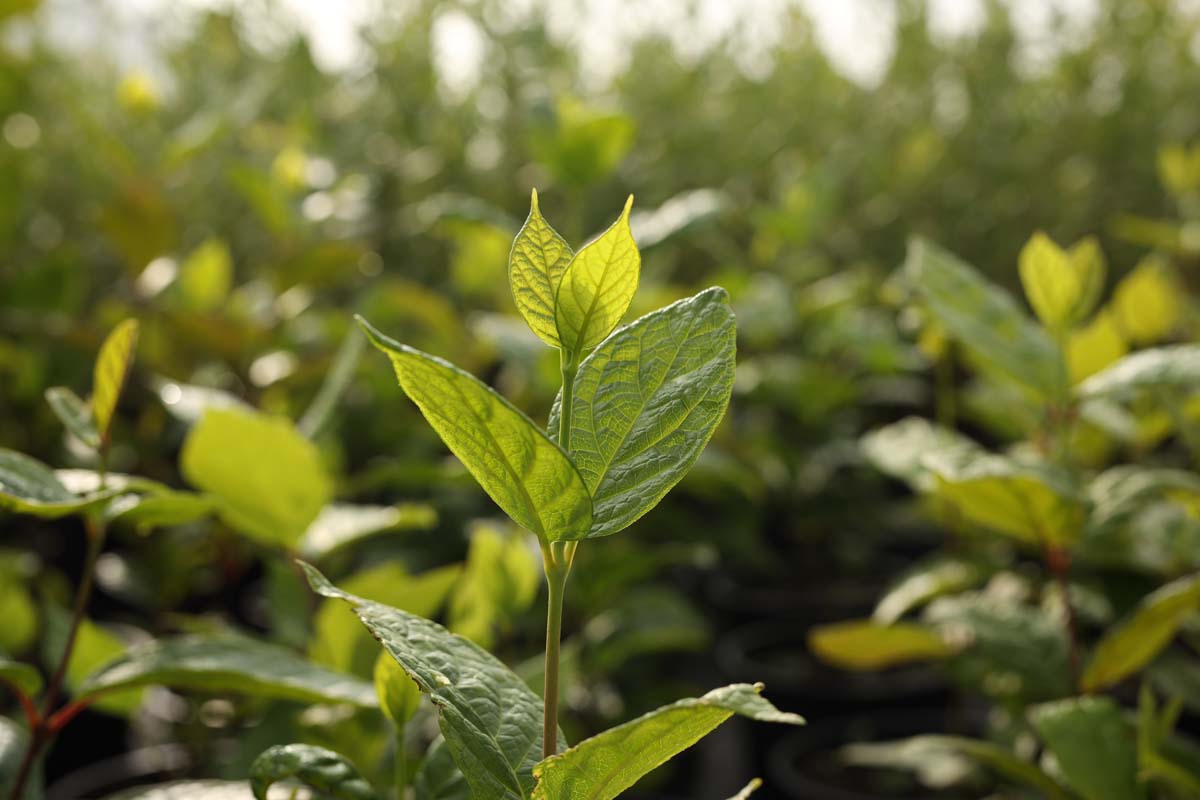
<point>324,770</point>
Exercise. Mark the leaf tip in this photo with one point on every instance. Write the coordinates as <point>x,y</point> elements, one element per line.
<point>627,209</point>
<point>320,584</point>
<point>533,200</point>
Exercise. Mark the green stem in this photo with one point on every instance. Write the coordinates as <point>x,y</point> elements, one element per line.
<point>570,366</point>
<point>557,558</point>
<point>400,769</point>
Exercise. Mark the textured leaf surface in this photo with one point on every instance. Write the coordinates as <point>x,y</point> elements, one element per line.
<point>985,318</point>
<point>268,480</point>
<point>29,486</point>
<point>607,764</point>
<point>597,287</point>
<point>74,414</point>
<point>1176,367</point>
<point>520,468</point>
<point>1139,638</point>
<point>188,790</point>
<point>1093,744</point>
<point>112,365</point>
<point>536,265</point>
<point>228,663</point>
<point>866,645</point>
<point>491,720</point>
<point>21,675</point>
<point>647,401</point>
<point>324,770</point>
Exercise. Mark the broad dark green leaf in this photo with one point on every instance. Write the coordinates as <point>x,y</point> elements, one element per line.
<point>1093,744</point>
<point>1140,637</point>
<point>341,524</point>
<point>521,469</point>
<point>20,675</point>
<point>30,487</point>
<point>267,479</point>
<point>1160,368</point>
<point>324,770</point>
<point>491,719</point>
<point>607,764</point>
<point>75,415</point>
<point>112,365</point>
<point>597,287</point>
<point>188,790</point>
<point>228,663</point>
<point>438,777</point>
<point>647,401</point>
<point>985,319</point>
<point>536,265</point>
<point>866,645</point>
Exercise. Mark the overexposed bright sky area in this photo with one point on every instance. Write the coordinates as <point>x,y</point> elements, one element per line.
<point>857,35</point>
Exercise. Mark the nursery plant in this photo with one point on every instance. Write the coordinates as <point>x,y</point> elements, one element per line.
<point>1067,589</point>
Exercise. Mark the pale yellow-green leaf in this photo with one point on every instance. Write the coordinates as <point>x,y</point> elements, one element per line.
<point>597,287</point>
<point>1087,261</point>
<point>267,479</point>
<point>399,696</point>
<point>1062,286</point>
<point>1148,302</point>
<point>866,645</point>
<point>1179,168</point>
<point>536,265</point>
<point>206,276</point>
<point>112,365</point>
<point>1094,346</point>
<point>500,581</point>
<point>521,469</point>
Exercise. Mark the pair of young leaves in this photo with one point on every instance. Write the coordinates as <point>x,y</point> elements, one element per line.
<point>643,404</point>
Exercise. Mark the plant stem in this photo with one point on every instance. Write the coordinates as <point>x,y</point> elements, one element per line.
<point>43,731</point>
<point>1059,563</point>
<point>400,770</point>
<point>570,366</point>
<point>557,558</point>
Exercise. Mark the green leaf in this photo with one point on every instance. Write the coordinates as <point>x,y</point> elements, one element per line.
<point>925,583</point>
<point>899,450</point>
<point>339,525</point>
<point>1158,368</point>
<point>501,580</point>
<point>94,647</point>
<point>1149,302</point>
<point>19,613</point>
<point>1093,745</point>
<point>438,777</point>
<point>340,642</point>
<point>1030,502</point>
<point>607,764</point>
<point>536,265</point>
<point>267,479</point>
<point>491,719</point>
<point>30,487</point>
<point>23,677</point>
<point>324,770</point>
<point>985,319</point>
<point>74,414</point>
<point>13,742</point>
<point>206,275</point>
<point>647,401</point>
<point>865,645</point>
<point>163,509</point>
<point>1062,287</point>
<point>228,663</point>
<point>399,696</point>
<point>521,469</point>
<point>188,790</point>
<point>112,365</point>
<point>597,287</point>
<point>1135,642</point>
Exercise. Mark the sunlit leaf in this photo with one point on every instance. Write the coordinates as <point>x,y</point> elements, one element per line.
<point>520,468</point>
<point>398,695</point>
<point>1148,302</point>
<point>74,414</point>
<point>535,268</point>
<point>501,580</point>
<point>898,450</point>
<point>1095,346</point>
<point>1174,368</point>
<point>328,772</point>
<point>607,764</point>
<point>597,286</point>
<point>20,675</point>
<point>112,365</point>
<point>925,583</point>
<point>1062,287</point>
<point>339,525</point>
<point>206,276</point>
<point>30,487</point>
<point>866,645</point>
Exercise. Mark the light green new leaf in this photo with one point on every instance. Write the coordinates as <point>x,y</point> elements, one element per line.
<point>1140,637</point>
<point>985,319</point>
<point>536,265</point>
<point>399,696</point>
<point>21,676</point>
<point>1093,744</point>
<point>607,764</point>
<point>328,772</point>
<point>597,287</point>
<point>647,401</point>
<point>1168,368</point>
<point>206,275</point>
<point>30,487</point>
<point>267,479</point>
<point>75,415</point>
<point>228,663</point>
<point>521,469</point>
<point>491,719</point>
<point>112,365</point>
<point>188,790</point>
<point>865,645</point>
<point>1062,287</point>
<point>1029,502</point>
<point>500,581</point>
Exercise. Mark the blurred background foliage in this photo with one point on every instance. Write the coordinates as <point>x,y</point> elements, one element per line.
<point>242,201</point>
